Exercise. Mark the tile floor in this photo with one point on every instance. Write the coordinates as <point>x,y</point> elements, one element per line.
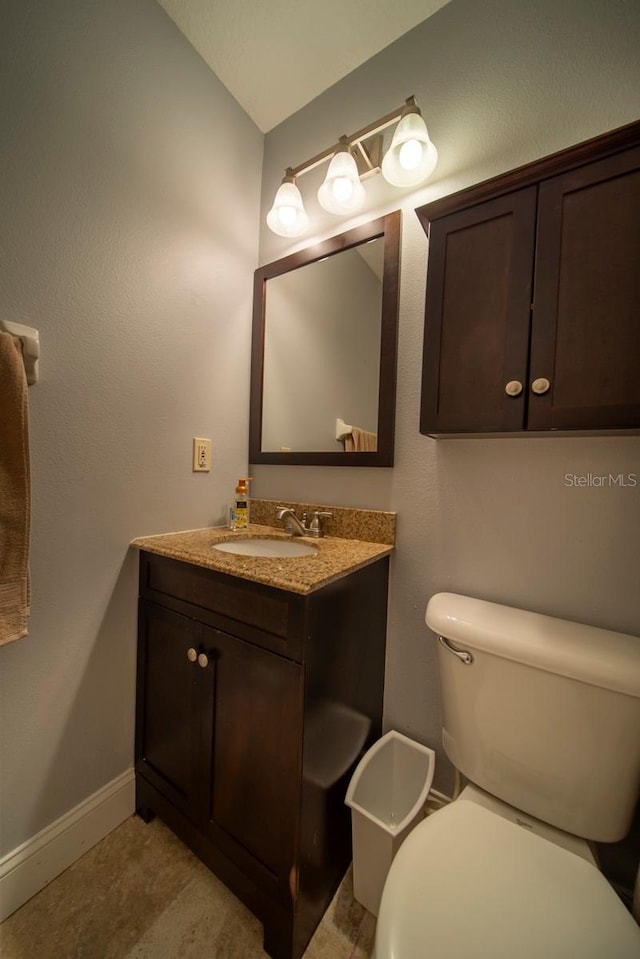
<point>141,894</point>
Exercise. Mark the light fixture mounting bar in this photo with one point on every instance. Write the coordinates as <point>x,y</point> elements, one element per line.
<point>368,158</point>
<point>354,139</point>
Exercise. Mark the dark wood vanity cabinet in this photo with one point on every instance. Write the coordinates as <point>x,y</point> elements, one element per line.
<point>532,318</point>
<point>253,707</point>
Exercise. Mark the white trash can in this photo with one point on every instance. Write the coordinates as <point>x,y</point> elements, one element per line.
<point>387,794</point>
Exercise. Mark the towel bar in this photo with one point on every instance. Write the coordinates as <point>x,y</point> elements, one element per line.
<point>342,429</point>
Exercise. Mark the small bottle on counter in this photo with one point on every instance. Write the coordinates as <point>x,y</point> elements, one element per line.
<point>240,513</point>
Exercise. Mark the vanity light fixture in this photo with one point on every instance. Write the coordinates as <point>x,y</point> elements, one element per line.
<point>410,159</point>
<point>287,216</point>
<point>342,192</point>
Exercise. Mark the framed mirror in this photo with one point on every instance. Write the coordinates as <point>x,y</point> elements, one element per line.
<point>323,357</point>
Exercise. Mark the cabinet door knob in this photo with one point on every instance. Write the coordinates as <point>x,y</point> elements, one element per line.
<point>513,388</point>
<point>203,660</point>
<point>192,655</point>
<point>540,386</point>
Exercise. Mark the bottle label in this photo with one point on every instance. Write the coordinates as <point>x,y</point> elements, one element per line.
<point>241,514</point>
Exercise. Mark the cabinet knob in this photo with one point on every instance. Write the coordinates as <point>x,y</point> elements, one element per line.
<point>203,660</point>
<point>192,655</point>
<point>540,386</point>
<point>513,388</point>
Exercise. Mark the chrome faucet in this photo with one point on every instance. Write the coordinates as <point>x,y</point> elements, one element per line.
<point>290,521</point>
<point>296,527</point>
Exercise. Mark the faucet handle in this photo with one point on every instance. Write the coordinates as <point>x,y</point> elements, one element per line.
<point>317,526</point>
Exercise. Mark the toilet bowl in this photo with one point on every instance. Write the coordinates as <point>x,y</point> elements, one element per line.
<point>542,717</point>
<point>470,883</point>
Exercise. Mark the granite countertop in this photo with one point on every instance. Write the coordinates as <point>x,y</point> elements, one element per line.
<point>336,557</point>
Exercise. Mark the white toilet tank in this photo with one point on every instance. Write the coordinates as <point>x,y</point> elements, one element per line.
<point>546,716</point>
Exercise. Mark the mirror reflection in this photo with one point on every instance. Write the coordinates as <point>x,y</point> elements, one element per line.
<point>324,351</point>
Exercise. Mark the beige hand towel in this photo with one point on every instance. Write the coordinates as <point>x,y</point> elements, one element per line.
<point>360,441</point>
<point>15,492</point>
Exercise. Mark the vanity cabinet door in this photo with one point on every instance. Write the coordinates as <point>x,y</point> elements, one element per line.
<point>478,315</point>
<point>254,745</point>
<point>168,704</point>
<point>586,328</point>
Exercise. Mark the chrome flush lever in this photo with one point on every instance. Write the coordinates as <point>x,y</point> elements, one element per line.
<point>463,655</point>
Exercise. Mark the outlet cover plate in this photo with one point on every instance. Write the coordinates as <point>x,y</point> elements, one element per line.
<point>201,455</point>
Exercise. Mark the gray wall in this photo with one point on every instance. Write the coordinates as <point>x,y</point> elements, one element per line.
<point>500,83</point>
<point>129,197</point>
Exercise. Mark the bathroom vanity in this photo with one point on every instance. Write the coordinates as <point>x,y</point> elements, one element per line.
<point>254,704</point>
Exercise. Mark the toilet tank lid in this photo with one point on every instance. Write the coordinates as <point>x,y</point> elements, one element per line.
<point>589,654</point>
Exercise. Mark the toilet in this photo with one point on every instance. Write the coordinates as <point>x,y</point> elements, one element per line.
<point>542,717</point>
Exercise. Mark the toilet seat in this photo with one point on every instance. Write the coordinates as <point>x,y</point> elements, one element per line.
<point>469,884</point>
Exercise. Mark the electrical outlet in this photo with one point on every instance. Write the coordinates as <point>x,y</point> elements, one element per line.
<point>201,455</point>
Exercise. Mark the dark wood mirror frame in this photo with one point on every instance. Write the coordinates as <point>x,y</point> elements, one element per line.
<point>389,228</point>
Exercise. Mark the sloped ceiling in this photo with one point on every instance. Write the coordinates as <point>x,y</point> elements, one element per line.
<point>274,56</point>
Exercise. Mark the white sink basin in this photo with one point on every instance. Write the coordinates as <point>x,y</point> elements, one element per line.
<point>275,548</point>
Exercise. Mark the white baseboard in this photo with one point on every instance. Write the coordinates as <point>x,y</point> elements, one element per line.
<point>27,869</point>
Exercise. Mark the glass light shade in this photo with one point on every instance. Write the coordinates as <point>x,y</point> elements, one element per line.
<point>412,157</point>
<point>342,192</point>
<point>287,216</point>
